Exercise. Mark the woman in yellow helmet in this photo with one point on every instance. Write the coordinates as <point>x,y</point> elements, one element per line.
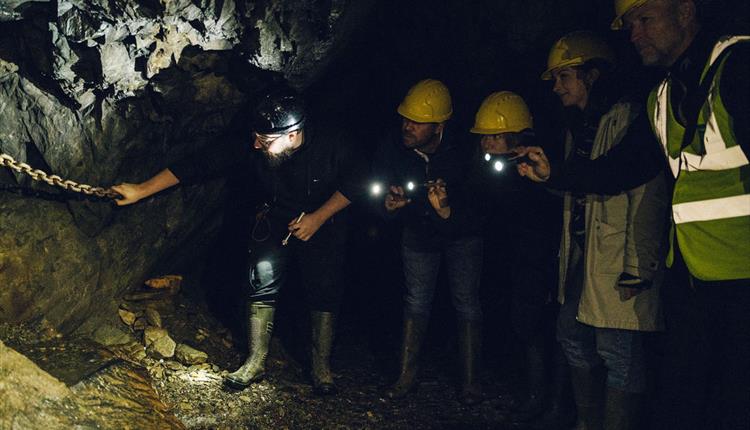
<point>612,245</point>
<point>523,218</point>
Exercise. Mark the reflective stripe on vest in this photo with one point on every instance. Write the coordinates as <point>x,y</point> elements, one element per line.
<point>704,210</point>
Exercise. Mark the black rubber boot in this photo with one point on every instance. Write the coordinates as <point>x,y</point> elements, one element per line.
<point>413,334</point>
<point>621,410</point>
<point>533,405</point>
<point>560,414</point>
<point>322,341</point>
<point>588,391</point>
<point>259,329</point>
<point>470,349</point>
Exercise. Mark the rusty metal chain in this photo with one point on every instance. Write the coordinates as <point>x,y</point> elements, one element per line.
<point>54,180</point>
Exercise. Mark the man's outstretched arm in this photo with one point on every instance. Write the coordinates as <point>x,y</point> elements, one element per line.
<point>132,193</point>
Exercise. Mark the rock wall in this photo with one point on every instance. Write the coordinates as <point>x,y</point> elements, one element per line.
<point>120,396</point>
<point>102,92</point>
<point>30,396</point>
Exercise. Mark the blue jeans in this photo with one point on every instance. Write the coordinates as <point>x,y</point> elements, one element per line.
<point>585,346</point>
<point>463,257</point>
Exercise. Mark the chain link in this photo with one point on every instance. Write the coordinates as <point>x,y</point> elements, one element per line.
<point>55,180</point>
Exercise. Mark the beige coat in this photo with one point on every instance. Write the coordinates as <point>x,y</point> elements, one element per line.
<point>625,232</point>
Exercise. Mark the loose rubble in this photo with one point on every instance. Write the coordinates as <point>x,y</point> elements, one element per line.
<point>139,390</point>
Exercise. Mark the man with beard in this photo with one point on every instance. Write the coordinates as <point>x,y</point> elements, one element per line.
<point>304,180</point>
<point>419,168</point>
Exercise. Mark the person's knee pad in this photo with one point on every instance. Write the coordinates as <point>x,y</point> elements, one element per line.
<point>265,278</point>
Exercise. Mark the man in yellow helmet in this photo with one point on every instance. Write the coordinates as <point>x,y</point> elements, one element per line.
<point>417,169</point>
<point>523,219</point>
<point>700,113</point>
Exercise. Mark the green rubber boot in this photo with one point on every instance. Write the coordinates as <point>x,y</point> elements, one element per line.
<point>588,391</point>
<point>413,334</point>
<point>260,327</point>
<point>533,405</point>
<point>621,411</point>
<point>322,341</point>
<point>469,349</point>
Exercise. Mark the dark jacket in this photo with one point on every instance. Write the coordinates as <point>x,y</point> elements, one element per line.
<point>324,164</point>
<point>508,197</point>
<point>521,223</point>
<point>424,229</point>
<point>517,212</point>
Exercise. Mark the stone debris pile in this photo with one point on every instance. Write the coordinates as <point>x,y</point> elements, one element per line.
<point>145,323</point>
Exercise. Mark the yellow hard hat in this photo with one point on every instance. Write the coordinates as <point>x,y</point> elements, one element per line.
<point>427,101</point>
<point>502,112</point>
<point>621,8</point>
<point>576,48</point>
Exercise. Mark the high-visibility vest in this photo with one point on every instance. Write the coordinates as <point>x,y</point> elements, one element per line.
<point>711,200</point>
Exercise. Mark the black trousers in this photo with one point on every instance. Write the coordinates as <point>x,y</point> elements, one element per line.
<point>533,309</point>
<point>704,375</point>
<point>320,262</point>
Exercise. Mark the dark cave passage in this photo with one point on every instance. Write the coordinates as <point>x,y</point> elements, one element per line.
<point>92,333</point>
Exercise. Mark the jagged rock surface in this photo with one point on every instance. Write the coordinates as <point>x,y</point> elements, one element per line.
<point>27,393</point>
<point>119,397</point>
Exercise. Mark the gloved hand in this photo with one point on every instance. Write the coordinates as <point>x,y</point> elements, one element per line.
<point>632,285</point>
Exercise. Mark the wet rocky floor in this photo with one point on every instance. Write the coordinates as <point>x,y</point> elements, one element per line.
<point>125,386</point>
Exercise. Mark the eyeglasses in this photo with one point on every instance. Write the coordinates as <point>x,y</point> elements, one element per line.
<point>266,140</point>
